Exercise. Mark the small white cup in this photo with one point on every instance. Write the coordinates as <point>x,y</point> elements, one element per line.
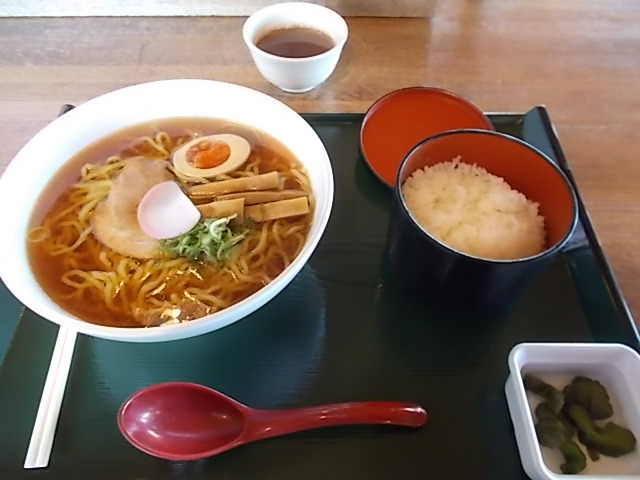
<point>295,75</point>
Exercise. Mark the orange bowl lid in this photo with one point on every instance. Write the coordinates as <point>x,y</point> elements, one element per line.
<point>400,120</point>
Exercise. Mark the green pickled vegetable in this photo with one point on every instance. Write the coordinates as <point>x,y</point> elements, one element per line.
<point>573,410</point>
<point>611,440</point>
<point>212,240</point>
<point>575,459</point>
<point>554,431</point>
<point>554,397</point>
<point>552,428</point>
<point>591,394</point>
<point>593,454</point>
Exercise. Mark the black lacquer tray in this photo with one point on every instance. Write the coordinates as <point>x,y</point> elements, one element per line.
<point>341,331</point>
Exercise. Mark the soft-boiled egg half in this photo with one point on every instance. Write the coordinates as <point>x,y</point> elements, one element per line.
<point>211,155</point>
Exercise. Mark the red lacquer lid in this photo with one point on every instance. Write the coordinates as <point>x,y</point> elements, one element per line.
<point>400,120</point>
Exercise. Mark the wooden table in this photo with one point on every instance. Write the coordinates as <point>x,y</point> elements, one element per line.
<point>578,57</point>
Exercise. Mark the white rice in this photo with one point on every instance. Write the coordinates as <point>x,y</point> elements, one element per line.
<point>473,211</point>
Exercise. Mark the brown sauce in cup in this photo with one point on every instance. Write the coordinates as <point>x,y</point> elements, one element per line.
<point>295,42</point>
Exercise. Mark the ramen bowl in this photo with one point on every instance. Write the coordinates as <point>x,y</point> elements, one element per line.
<point>40,164</point>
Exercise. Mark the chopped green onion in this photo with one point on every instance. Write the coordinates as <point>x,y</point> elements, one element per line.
<point>211,240</point>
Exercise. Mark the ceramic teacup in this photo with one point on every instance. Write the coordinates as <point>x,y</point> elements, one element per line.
<point>295,45</point>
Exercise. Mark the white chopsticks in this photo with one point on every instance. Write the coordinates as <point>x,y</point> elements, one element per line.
<point>47,417</point>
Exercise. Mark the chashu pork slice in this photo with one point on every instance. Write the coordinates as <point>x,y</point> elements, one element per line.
<point>115,219</point>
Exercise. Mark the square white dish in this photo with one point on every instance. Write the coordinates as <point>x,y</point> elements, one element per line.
<point>616,366</point>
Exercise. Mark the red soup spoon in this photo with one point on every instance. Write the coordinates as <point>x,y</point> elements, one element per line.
<point>186,421</point>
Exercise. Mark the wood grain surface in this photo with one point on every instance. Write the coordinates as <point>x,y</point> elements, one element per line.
<point>578,57</point>
<point>111,8</point>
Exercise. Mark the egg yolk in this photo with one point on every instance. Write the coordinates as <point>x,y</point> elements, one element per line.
<point>208,154</point>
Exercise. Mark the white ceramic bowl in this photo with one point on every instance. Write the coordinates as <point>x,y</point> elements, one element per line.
<point>616,366</point>
<point>37,162</point>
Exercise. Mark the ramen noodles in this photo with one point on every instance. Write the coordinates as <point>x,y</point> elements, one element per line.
<point>95,252</point>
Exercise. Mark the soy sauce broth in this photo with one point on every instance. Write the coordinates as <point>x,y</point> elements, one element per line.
<point>295,42</point>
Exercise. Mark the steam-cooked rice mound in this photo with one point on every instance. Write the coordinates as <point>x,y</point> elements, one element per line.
<point>473,211</point>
